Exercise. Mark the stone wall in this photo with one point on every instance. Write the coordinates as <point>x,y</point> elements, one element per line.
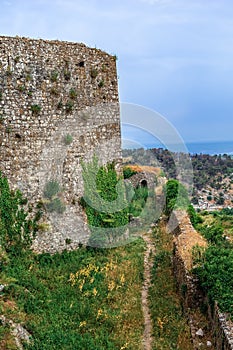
<point>185,238</point>
<point>58,106</point>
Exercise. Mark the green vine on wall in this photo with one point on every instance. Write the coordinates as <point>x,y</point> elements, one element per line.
<point>16,230</point>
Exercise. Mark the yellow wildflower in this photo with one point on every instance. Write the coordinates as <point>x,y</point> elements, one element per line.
<point>95,292</point>
<point>122,279</point>
<point>82,324</point>
<point>100,312</point>
<point>111,286</point>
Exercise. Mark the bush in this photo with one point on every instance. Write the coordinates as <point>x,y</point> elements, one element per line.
<point>68,139</point>
<point>51,192</point>
<point>69,106</point>
<point>176,196</point>
<point>72,93</point>
<point>35,109</point>
<point>56,205</point>
<point>102,190</point>
<point>67,74</point>
<point>194,217</point>
<point>54,76</point>
<point>52,188</point>
<point>128,172</point>
<point>94,73</point>
<point>215,275</point>
<point>16,230</point>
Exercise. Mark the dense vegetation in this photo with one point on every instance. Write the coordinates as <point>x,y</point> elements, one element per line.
<point>214,266</point>
<point>85,299</point>
<point>170,328</point>
<point>109,202</point>
<point>104,202</point>
<point>176,196</point>
<point>78,300</point>
<point>208,171</point>
<point>16,229</point>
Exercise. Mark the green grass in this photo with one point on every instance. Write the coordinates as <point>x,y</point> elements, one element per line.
<point>215,266</point>
<point>170,326</point>
<point>85,299</point>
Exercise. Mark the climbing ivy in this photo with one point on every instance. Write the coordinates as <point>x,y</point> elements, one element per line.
<point>16,230</point>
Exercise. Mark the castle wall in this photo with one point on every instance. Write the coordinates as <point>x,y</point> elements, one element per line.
<point>185,238</point>
<point>58,106</point>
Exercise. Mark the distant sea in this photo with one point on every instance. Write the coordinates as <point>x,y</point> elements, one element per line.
<point>213,147</point>
<point>217,147</point>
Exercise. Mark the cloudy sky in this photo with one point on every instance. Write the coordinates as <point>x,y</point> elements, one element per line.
<point>174,56</point>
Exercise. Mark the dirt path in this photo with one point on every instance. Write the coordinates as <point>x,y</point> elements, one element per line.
<point>148,264</point>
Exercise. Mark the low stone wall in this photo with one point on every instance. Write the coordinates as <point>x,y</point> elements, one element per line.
<point>185,238</point>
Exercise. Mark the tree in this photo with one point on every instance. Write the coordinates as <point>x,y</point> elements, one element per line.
<point>104,202</point>
<point>176,196</point>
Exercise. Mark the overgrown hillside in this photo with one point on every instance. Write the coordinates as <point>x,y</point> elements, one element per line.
<point>85,299</point>
<point>212,175</point>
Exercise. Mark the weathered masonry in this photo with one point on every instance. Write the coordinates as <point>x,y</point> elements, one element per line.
<point>192,296</point>
<point>58,106</point>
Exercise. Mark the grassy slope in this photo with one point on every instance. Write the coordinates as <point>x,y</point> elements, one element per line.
<point>170,326</point>
<point>84,299</point>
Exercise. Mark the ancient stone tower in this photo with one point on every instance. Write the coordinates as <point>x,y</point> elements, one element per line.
<point>58,106</point>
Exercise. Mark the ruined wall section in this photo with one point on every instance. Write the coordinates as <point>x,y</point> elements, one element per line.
<point>185,238</point>
<point>58,106</point>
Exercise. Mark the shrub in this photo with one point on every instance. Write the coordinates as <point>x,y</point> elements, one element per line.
<point>9,71</point>
<point>128,172</point>
<point>35,109</point>
<point>54,91</point>
<point>16,230</point>
<point>21,88</point>
<point>215,274</point>
<point>69,106</point>
<point>176,196</point>
<point>56,205</point>
<point>72,93</point>
<point>54,76</point>
<point>8,129</point>
<point>28,77</point>
<point>51,189</point>
<point>101,191</point>
<point>194,217</point>
<point>67,74</point>
<point>101,83</point>
<point>16,59</point>
<point>94,73</point>
<point>68,139</point>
